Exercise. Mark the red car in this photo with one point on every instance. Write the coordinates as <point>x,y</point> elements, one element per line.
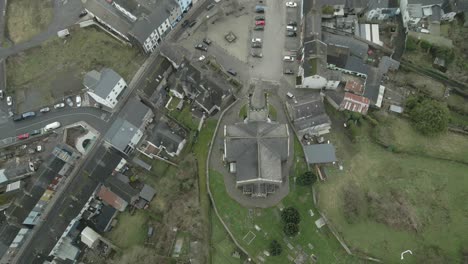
<point>23,136</point>
<point>260,23</point>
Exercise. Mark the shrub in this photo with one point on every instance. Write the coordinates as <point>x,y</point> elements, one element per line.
<point>275,248</point>
<point>328,10</point>
<point>307,178</point>
<point>290,215</point>
<point>430,117</point>
<point>411,44</point>
<point>425,45</point>
<point>291,229</point>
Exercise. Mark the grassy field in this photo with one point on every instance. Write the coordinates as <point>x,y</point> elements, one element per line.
<point>310,240</point>
<point>400,134</point>
<point>384,202</point>
<point>130,231</point>
<point>27,18</point>
<point>222,247</point>
<point>41,75</point>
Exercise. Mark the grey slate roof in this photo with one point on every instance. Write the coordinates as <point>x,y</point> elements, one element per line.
<point>147,193</point>
<point>120,134</point>
<point>337,55</point>
<point>356,47</point>
<point>308,112</point>
<point>122,189</point>
<point>134,112</point>
<point>109,14</point>
<point>320,153</point>
<point>163,136</point>
<point>102,82</point>
<point>258,148</point>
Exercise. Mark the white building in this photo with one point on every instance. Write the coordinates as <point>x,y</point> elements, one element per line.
<point>104,87</point>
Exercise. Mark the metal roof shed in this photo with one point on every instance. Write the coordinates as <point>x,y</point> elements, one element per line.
<point>320,153</point>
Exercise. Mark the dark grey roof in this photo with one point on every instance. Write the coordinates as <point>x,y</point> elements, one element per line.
<point>174,52</point>
<point>102,220</point>
<point>109,14</point>
<point>134,112</point>
<point>427,2</point>
<point>313,26</point>
<point>147,193</point>
<point>122,189</point>
<point>308,112</point>
<point>371,89</point>
<point>163,135</point>
<point>436,14</point>
<point>102,82</point>
<point>201,86</point>
<point>356,47</point>
<point>460,6</point>
<point>356,64</point>
<point>320,153</point>
<point>315,58</point>
<point>258,148</point>
<point>144,26</point>
<point>337,55</point>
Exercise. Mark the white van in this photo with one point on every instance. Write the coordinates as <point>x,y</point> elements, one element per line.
<point>51,126</point>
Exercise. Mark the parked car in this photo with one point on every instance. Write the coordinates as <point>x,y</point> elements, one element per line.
<point>17,118</point>
<point>1,94</point>
<point>9,101</point>
<point>201,47</point>
<point>288,58</point>
<point>259,9</point>
<point>258,18</point>
<point>192,23</point>
<point>185,23</point>
<point>256,45</point>
<point>291,4</point>
<point>292,23</point>
<point>69,101</point>
<point>51,126</point>
<point>44,110</point>
<point>232,72</point>
<point>259,40</point>
<point>78,101</point>
<point>291,28</point>
<point>256,54</point>
<point>260,23</point>
<point>202,57</point>
<point>83,13</point>
<point>23,136</point>
<point>35,132</point>
<point>290,95</point>
<point>207,41</point>
<point>210,6</point>
<point>59,105</point>
<point>291,34</point>
<point>259,28</point>
<point>28,115</point>
<point>288,71</point>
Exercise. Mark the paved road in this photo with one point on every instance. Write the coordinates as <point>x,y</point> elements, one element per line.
<point>66,13</point>
<point>191,15</point>
<point>66,116</point>
<point>99,166</point>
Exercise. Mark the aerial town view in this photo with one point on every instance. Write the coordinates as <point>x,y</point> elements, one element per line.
<point>234,131</point>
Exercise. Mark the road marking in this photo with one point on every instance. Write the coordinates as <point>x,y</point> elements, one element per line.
<point>53,118</point>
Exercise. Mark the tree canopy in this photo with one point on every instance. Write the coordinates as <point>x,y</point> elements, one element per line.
<point>275,248</point>
<point>307,178</point>
<point>290,215</point>
<point>430,117</point>
<point>291,229</point>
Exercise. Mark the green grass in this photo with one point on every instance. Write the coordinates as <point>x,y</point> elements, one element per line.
<point>400,134</point>
<point>458,119</point>
<point>326,247</point>
<point>243,111</point>
<point>173,104</point>
<point>222,246</point>
<point>458,103</point>
<point>27,18</point>
<point>57,67</point>
<point>313,66</point>
<point>428,193</point>
<point>272,112</point>
<point>185,117</point>
<point>131,230</point>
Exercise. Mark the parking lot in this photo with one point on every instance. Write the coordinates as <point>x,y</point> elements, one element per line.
<point>240,17</point>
